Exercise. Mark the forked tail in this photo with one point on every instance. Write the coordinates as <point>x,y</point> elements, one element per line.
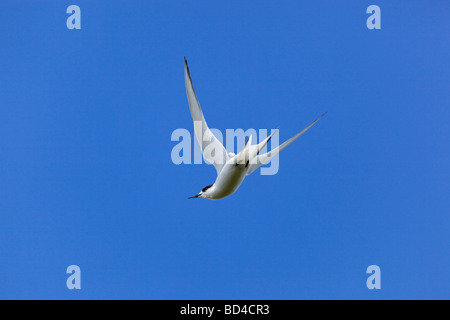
<point>249,152</point>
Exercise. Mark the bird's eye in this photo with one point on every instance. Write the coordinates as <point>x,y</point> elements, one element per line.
<point>206,188</point>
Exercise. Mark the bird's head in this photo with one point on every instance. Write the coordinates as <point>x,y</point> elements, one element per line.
<point>204,193</point>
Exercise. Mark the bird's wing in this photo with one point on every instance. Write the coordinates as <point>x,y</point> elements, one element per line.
<point>264,158</point>
<point>213,151</point>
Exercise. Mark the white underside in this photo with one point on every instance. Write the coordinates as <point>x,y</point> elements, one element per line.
<point>228,181</point>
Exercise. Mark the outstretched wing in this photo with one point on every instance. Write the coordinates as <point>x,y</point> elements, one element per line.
<point>213,151</point>
<point>264,158</point>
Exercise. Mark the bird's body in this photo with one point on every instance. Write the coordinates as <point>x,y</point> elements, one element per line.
<point>228,181</point>
<point>231,168</point>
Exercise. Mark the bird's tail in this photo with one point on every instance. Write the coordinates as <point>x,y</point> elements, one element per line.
<point>249,152</point>
<point>244,156</point>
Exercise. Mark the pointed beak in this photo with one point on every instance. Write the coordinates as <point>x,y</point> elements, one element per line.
<point>196,196</point>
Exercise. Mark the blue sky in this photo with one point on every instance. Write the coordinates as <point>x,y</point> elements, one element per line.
<point>86,176</point>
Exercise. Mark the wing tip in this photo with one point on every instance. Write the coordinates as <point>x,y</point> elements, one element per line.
<point>321,116</point>
<point>186,67</point>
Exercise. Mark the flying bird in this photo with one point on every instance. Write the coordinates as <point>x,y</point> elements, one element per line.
<point>231,168</point>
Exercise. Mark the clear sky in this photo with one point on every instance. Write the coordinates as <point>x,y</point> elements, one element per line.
<point>86,176</point>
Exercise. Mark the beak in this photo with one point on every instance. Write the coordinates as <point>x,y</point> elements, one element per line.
<point>198,195</point>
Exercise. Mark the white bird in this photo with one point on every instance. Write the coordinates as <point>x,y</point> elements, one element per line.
<point>231,168</point>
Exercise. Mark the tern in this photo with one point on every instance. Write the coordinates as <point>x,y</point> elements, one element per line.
<point>231,168</point>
